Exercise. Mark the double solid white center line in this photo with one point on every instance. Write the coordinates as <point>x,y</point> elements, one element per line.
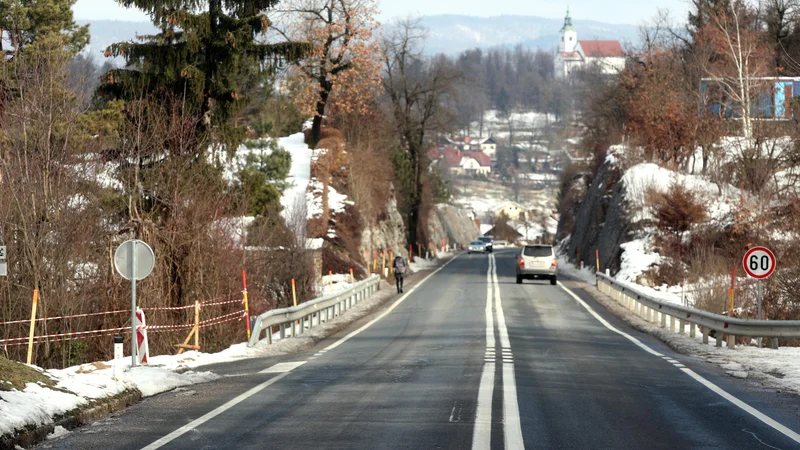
<point>512,430</point>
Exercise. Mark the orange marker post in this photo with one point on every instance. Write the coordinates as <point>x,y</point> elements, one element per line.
<point>597,257</point>
<point>33,323</point>
<point>352,278</point>
<point>246,305</point>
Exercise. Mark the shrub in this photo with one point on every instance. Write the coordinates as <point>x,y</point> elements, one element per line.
<point>677,210</point>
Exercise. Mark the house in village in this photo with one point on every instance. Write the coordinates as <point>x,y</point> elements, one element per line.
<point>512,210</point>
<point>457,162</point>
<point>575,55</point>
<point>468,144</point>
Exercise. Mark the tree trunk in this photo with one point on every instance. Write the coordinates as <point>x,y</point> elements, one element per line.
<point>325,88</point>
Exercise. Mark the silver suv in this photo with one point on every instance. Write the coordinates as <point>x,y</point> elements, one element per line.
<point>537,262</point>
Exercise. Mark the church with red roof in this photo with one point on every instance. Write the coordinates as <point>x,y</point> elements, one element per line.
<point>574,54</point>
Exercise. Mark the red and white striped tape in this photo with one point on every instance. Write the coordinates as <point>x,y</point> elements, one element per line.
<point>62,336</point>
<point>44,319</point>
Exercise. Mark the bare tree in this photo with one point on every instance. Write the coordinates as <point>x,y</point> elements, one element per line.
<point>416,88</point>
<point>733,34</point>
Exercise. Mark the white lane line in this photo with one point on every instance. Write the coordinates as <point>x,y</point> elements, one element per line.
<point>482,431</point>
<point>283,367</point>
<point>242,397</point>
<point>749,409</point>
<point>713,387</point>
<point>208,416</point>
<point>609,326</point>
<point>490,342</point>
<point>389,309</point>
<point>512,428</point>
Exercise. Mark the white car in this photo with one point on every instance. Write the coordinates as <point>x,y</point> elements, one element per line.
<point>537,262</point>
<point>477,247</point>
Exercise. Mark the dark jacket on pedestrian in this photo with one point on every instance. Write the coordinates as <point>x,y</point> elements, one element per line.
<point>399,266</point>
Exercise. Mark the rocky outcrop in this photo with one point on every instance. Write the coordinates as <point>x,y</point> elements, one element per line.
<point>387,234</point>
<point>601,222</point>
<point>453,224</point>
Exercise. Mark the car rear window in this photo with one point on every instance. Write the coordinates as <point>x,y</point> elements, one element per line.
<point>476,243</point>
<point>538,251</point>
<point>485,239</point>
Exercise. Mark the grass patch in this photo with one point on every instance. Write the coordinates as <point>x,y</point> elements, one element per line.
<point>14,375</point>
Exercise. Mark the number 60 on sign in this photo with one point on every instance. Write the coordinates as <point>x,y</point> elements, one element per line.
<point>759,262</point>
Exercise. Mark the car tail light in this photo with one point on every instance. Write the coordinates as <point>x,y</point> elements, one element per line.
<point>554,264</point>
<point>521,261</point>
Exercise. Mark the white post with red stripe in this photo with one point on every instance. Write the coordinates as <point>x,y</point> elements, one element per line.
<point>142,349</point>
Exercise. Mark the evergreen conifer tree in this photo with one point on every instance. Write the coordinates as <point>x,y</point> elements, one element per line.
<point>205,53</point>
<point>22,22</point>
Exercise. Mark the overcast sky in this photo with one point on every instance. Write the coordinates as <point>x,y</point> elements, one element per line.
<point>611,11</point>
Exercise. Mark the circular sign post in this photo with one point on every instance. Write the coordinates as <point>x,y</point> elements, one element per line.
<point>134,260</point>
<point>759,263</point>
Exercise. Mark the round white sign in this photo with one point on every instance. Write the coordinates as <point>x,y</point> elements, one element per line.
<point>143,263</point>
<point>759,262</point>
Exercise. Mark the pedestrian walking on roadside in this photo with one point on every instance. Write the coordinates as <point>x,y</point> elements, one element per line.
<point>399,266</point>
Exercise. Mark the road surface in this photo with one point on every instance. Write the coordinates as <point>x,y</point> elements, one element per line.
<point>466,359</point>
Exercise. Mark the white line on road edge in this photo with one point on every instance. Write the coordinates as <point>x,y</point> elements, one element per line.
<point>713,387</point>
<point>512,428</point>
<point>208,416</point>
<point>242,397</point>
<point>390,309</point>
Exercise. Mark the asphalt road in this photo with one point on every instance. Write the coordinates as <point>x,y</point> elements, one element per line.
<point>468,359</point>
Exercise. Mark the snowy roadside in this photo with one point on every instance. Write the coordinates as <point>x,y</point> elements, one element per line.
<point>775,369</point>
<point>81,386</point>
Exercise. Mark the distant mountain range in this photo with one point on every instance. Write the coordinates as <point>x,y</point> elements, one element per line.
<point>450,34</point>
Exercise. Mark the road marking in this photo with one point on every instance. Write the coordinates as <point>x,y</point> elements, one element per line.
<point>208,416</point>
<point>482,431</point>
<point>244,396</point>
<point>283,367</point>
<point>512,428</point>
<point>390,309</point>
<point>713,387</point>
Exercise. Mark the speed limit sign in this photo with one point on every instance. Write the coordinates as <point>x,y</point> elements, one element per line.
<point>759,262</point>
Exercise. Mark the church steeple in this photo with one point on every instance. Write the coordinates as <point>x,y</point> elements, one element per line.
<point>569,37</point>
<point>567,23</point>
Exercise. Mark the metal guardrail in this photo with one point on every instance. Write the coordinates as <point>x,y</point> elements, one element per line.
<point>323,308</point>
<point>656,311</point>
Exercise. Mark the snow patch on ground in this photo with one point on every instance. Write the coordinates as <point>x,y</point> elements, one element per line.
<point>299,175</point>
<point>637,258</point>
<point>78,385</point>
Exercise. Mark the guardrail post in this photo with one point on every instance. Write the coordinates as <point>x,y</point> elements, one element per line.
<point>683,327</point>
<point>705,335</point>
<point>311,320</point>
<point>283,331</point>
<point>774,342</point>
<point>672,323</point>
<point>663,320</point>
<point>294,328</point>
<point>269,335</point>
<point>718,336</point>
<point>731,341</point>
<point>692,330</point>
<point>651,315</point>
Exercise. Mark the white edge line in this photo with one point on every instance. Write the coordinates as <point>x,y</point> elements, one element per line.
<point>713,387</point>
<point>241,397</point>
<point>210,415</point>
<point>390,309</point>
